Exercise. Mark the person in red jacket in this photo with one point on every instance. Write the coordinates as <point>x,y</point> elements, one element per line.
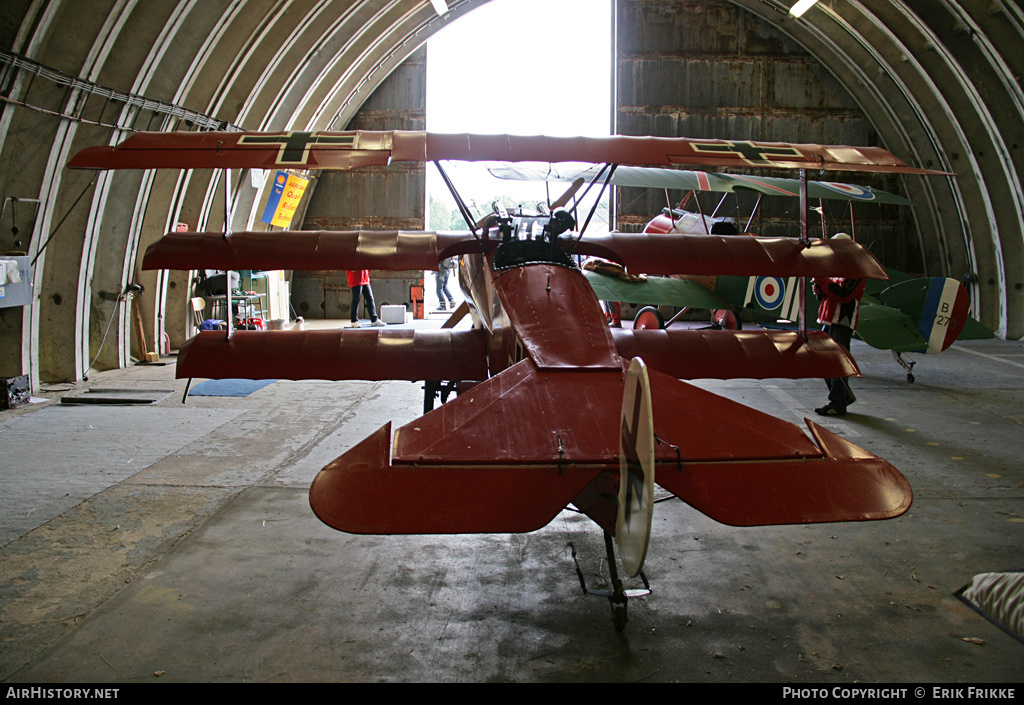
<point>359,282</point>
<point>840,304</point>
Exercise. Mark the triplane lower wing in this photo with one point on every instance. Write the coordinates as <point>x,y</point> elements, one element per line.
<point>555,409</point>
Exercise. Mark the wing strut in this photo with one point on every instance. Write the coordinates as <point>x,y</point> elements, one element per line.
<point>753,213</point>
<point>805,241</point>
<point>227,273</point>
<point>720,204</point>
<point>577,201</point>
<point>567,196</point>
<point>463,209</point>
<point>227,202</point>
<point>703,220</point>
<point>597,200</point>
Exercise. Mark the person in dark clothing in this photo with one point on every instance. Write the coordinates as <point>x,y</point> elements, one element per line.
<point>359,282</point>
<point>840,304</point>
<point>444,268</point>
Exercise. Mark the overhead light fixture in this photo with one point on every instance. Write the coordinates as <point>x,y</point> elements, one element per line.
<point>800,7</point>
<point>440,6</point>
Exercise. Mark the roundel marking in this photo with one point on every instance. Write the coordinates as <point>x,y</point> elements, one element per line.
<point>849,190</point>
<point>769,292</point>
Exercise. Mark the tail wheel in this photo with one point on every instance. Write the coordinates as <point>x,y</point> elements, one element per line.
<point>649,317</point>
<point>726,320</point>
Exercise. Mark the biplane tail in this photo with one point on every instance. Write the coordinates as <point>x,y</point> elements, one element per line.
<point>919,315</point>
<point>511,453</point>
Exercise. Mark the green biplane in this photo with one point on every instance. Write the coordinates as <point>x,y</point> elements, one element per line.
<point>903,314</point>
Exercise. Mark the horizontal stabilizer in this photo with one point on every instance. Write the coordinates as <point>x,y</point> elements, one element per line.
<point>363,492</point>
<point>975,330</point>
<point>741,255</point>
<point>848,484</point>
<point>725,354</point>
<point>888,328</point>
<point>306,250</point>
<point>509,454</point>
<point>368,354</point>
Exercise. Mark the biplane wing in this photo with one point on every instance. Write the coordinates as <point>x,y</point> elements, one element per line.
<point>678,179</point>
<point>655,291</point>
<point>913,315</point>
<point>361,148</point>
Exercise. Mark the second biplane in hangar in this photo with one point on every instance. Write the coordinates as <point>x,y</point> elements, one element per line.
<point>557,409</point>
<point>902,314</point>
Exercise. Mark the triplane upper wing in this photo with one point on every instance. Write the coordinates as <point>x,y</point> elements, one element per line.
<point>351,150</point>
<point>549,417</point>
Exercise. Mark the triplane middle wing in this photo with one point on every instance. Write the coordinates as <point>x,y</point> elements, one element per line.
<point>555,408</point>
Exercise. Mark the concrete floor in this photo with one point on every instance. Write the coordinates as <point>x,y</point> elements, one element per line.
<point>174,542</point>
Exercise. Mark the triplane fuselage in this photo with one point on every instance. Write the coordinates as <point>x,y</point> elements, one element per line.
<point>555,408</point>
<point>545,422</point>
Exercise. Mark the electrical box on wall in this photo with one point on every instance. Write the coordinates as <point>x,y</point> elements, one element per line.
<point>15,281</point>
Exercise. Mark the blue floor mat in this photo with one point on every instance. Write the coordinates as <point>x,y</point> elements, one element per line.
<point>229,387</point>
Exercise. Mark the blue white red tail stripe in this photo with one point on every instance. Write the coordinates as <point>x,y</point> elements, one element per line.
<point>944,315</point>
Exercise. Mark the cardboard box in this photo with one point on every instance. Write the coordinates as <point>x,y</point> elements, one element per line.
<point>392,314</point>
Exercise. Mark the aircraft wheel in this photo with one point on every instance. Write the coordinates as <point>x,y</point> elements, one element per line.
<point>726,320</point>
<point>910,378</point>
<point>649,317</point>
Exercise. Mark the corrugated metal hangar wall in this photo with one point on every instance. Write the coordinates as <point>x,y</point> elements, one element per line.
<point>713,70</point>
<point>935,81</point>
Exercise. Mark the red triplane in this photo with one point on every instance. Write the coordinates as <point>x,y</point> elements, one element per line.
<point>555,408</point>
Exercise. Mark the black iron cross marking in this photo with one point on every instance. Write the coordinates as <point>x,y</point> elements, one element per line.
<point>750,152</point>
<point>295,145</point>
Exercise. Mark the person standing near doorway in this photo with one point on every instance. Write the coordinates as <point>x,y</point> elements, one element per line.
<point>444,268</point>
<point>359,282</point>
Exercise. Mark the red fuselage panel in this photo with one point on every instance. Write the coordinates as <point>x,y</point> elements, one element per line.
<point>557,317</point>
